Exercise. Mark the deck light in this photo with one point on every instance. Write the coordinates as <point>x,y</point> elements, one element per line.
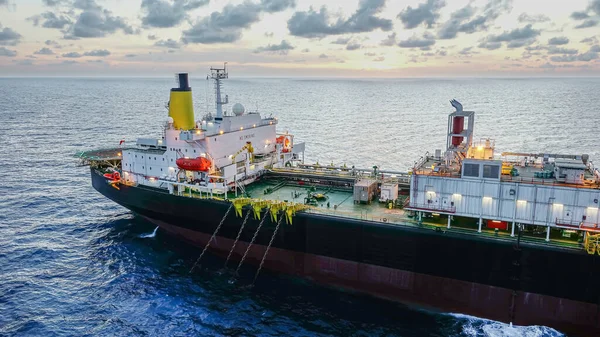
<point>221,132</point>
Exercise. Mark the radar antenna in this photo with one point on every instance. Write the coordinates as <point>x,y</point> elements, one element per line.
<point>456,104</point>
<point>218,74</point>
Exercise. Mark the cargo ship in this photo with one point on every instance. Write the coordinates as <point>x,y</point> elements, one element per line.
<point>509,236</point>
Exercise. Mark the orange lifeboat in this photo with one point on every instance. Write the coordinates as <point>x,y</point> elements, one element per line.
<point>194,164</point>
<point>113,176</point>
<point>286,143</point>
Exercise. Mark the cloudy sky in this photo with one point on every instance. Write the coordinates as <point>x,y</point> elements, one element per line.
<point>356,38</point>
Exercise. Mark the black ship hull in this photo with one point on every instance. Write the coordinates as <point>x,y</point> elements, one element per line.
<point>492,278</point>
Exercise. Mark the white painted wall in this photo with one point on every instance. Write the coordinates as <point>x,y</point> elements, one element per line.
<point>507,201</point>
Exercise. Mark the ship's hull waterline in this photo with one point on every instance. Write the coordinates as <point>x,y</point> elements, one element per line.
<point>481,276</point>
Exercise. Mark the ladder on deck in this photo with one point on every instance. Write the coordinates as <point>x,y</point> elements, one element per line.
<point>241,187</point>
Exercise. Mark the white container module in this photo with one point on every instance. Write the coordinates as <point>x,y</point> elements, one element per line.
<point>389,192</point>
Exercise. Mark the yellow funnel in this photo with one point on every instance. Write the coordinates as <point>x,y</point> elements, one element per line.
<point>181,107</point>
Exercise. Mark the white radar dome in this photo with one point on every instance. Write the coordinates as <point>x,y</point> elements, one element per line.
<point>238,109</point>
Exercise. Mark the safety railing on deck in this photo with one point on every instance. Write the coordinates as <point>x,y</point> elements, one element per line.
<point>432,207</point>
<point>576,224</point>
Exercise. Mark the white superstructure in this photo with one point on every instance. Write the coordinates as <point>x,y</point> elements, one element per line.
<point>470,180</point>
<point>239,146</point>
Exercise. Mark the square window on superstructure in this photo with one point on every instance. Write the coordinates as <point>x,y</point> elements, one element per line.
<point>491,171</point>
<point>470,170</point>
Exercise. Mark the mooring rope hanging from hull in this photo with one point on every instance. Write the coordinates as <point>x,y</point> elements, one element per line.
<point>251,242</point>
<point>211,238</point>
<point>238,237</point>
<point>267,250</point>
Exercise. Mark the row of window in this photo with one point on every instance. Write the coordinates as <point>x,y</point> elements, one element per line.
<point>489,171</point>
<point>174,149</point>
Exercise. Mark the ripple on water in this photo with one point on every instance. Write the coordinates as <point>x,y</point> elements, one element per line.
<point>75,264</point>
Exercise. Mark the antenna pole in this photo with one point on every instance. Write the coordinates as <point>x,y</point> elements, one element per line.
<point>218,74</point>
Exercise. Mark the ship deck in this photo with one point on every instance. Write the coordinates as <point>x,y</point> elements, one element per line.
<point>340,203</point>
<point>526,174</point>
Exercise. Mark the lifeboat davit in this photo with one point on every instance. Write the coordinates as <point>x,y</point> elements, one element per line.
<point>194,164</point>
<point>285,141</point>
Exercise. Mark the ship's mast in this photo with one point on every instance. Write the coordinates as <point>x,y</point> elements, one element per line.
<point>219,74</point>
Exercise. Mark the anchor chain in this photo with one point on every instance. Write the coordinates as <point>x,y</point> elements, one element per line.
<point>211,238</point>
<point>267,250</point>
<point>251,242</point>
<point>238,237</point>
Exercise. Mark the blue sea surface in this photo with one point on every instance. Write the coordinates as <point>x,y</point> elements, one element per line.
<point>73,263</point>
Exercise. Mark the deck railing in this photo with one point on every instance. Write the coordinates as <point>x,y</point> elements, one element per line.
<point>431,207</point>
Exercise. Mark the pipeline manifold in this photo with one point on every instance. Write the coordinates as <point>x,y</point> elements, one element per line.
<point>273,207</point>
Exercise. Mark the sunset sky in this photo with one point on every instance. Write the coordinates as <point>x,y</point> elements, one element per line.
<point>354,38</point>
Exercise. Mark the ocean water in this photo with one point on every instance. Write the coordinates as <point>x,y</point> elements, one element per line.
<point>72,263</point>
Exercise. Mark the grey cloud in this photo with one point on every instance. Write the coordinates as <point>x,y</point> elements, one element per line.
<point>557,41</point>
<point>152,37</point>
<point>587,24</point>
<point>52,20</point>
<point>72,55</point>
<point>44,51</point>
<point>225,26</point>
<point>282,48</point>
<point>490,45</point>
<point>97,22</point>
<point>323,56</point>
<point>52,3</point>
<point>9,37</point>
<point>272,6</point>
<point>416,42</point>
<point>7,52</point>
<point>590,40</point>
<point>370,54</point>
<point>98,53</point>
<point>69,62</point>
<point>170,43</point>
<point>341,40</point>
<point>585,57</point>
<point>593,9</point>
<point>463,20</point>
<point>379,59</point>
<point>426,13</point>
<point>594,6</point>
<point>519,43</point>
<point>515,38</point>
<point>557,50</point>
<point>353,46</point>
<point>166,14</point>
<point>312,24</point>
<point>468,51</point>
<point>389,41</point>
<point>130,55</point>
<point>86,5</point>
<point>3,2</point>
<point>526,18</point>
<point>305,50</point>
<point>595,49</point>
<point>579,15</point>
<point>588,56</point>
